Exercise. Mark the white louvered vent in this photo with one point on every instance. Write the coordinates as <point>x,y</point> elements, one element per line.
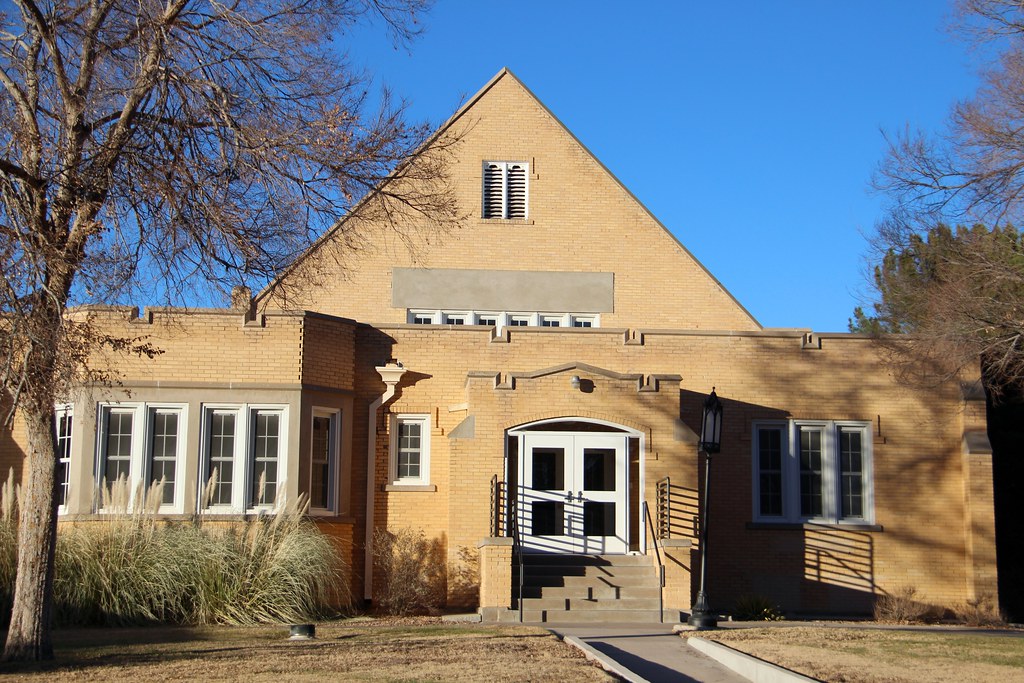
<point>505,191</point>
<point>494,199</point>
<point>516,191</point>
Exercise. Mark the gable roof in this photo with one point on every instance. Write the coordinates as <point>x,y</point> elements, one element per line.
<point>504,73</point>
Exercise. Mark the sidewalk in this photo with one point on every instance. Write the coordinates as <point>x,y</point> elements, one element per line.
<point>650,652</point>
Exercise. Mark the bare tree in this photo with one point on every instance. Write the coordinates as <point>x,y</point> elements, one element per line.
<point>960,293</point>
<point>149,145</point>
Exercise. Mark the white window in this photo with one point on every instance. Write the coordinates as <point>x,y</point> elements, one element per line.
<point>164,445</point>
<point>410,449</point>
<point>323,471</point>
<point>817,471</point>
<point>424,317</point>
<point>244,457</point>
<point>519,320</point>
<point>221,455</point>
<point>63,421</point>
<point>456,318</point>
<point>500,319</point>
<point>142,444</point>
<point>505,189</point>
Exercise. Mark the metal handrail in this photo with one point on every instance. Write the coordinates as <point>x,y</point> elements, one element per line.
<point>661,565</point>
<point>517,551</point>
<point>664,503</point>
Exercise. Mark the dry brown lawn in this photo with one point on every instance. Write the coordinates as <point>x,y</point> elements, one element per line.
<point>876,655</point>
<point>355,650</point>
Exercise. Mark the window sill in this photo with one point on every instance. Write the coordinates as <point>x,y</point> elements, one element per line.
<point>810,526</point>
<point>508,221</point>
<point>421,488</point>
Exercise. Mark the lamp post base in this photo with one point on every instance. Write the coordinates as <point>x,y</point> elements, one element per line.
<point>701,616</point>
<point>703,622</point>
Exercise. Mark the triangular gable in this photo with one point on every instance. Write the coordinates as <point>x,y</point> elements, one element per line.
<point>694,297</point>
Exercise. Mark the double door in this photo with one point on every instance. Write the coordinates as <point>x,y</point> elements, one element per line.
<point>572,493</point>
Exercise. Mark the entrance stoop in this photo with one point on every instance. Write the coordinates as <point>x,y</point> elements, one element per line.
<point>565,589</point>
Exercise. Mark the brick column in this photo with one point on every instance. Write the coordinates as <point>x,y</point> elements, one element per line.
<point>677,558</point>
<point>495,576</point>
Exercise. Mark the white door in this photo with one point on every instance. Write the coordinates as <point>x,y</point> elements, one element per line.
<point>572,493</point>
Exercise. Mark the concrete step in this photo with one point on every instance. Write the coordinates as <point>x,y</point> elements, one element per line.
<point>589,570</point>
<point>588,605</point>
<point>578,582</point>
<point>595,591</point>
<point>539,559</point>
<point>630,616</point>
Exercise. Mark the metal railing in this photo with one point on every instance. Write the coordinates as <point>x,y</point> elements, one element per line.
<point>517,554</point>
<point>661,564</point>
<point>499,498</point>
<point>663,501</point>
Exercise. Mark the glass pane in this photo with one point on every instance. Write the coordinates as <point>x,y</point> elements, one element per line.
<point>548,469</point>
<point>265,449</point>
<point>598,469</point>
<point>810,473</point>
<point>769,444</point>
<point>548,518</point>
<point>222,454</point>
<point>64,457</point>
<point>163,453</point>
<point>598,519</point>
<point>410,450</point>
<point>118,446</point>
<point>62,479</point>
<point>320,480</point>
<point>851,471</point>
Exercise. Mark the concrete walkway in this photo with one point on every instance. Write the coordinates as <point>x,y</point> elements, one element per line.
<point>648,652</point>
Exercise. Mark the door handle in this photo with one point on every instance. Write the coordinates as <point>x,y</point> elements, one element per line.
<point>579,496</point>
<point>568,496</point>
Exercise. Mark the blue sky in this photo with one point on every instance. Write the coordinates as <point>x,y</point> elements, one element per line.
<point>750,129</point>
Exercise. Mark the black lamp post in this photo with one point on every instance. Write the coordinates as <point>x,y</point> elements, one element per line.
<point>701,615</point>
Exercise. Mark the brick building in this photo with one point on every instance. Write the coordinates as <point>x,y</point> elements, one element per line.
<point>543,367</point>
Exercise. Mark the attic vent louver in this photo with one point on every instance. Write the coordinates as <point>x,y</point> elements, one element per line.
<point>505,189</point>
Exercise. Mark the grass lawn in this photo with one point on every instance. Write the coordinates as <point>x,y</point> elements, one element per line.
<point>353,650</point>
<point>872,655</point>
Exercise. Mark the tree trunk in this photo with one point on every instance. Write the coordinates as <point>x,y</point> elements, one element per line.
<point>29,635</point>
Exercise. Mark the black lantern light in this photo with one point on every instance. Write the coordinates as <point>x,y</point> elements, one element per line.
<point>711,424</point>
<point>701,615</point>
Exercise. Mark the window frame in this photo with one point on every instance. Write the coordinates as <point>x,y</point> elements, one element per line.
<point>831,475</point>
<point>64,414</point>
<point>333,416</point>
<point>505,211</point>
<point>244,477</point>
<point>181,413</point>
<point>422,419</point>
<point>140,450</point>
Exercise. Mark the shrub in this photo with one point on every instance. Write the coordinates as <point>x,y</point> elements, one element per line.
<point>981,611</point>
<point>411,571</point>
<point>130,567</point>
<point>901,607</point>
<point>757,608</point>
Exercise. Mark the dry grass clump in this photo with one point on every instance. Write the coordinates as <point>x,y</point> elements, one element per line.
<point>411,571</point>
<point>902,607</point>
<point>130,567</point>
<point>981,611</point>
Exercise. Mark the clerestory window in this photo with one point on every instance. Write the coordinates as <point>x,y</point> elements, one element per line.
<point>505,191</point>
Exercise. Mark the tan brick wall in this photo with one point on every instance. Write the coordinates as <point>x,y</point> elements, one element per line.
<point>580,219</point>
<point>918,467</point>
<point>204,346</point>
